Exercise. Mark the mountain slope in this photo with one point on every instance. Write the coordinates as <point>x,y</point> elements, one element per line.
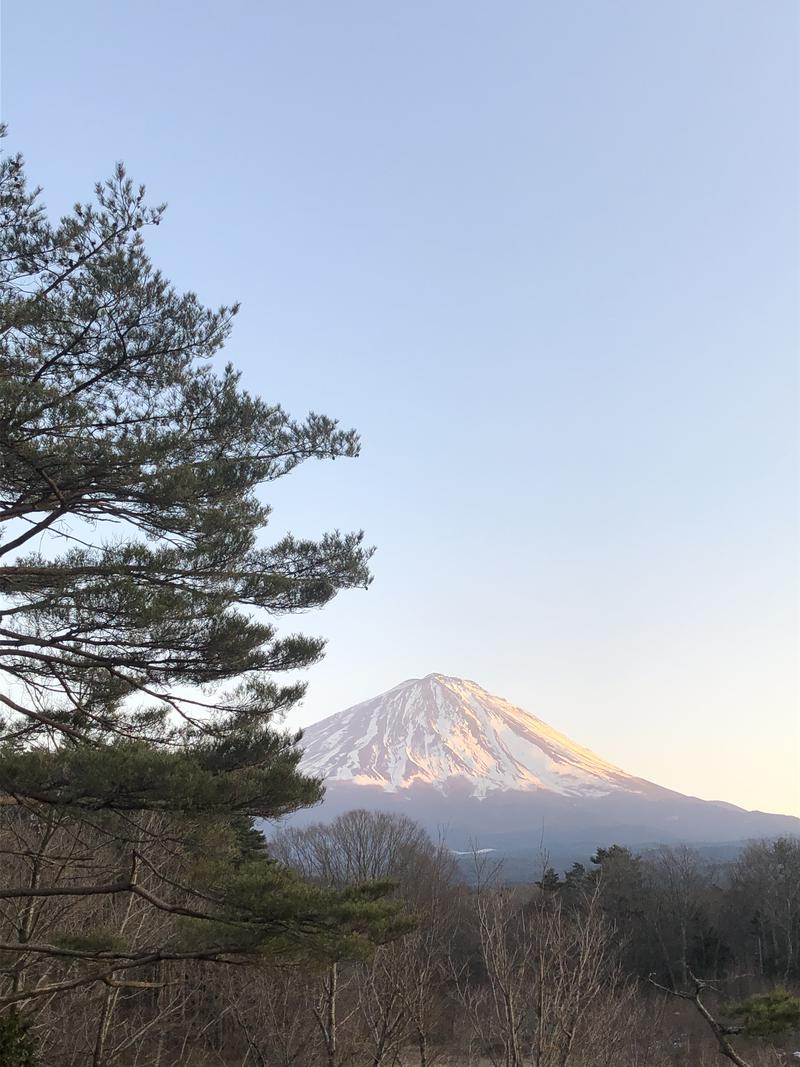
<point>436,729</point>
<point>449,754</point>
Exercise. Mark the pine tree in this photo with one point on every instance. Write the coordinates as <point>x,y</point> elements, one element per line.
<point>768,1014</point>
<point>16,1047</point>
<point>137,617</point>
<point>550,881</point>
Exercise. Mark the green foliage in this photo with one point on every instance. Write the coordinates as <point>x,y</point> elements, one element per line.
<point>91,942</point>
<point>549,882</point>
<point>619,875</point>
<point>266,909</point>
<point>576,877</point>
<point>768,1014</point>
<point>252,772</point>
<point>111,413</point>
<point>139,605</point>
<point>16,1046</point>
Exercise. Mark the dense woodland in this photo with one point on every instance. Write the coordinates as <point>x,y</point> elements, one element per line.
<point>562,971</point>
<point>144,917</point>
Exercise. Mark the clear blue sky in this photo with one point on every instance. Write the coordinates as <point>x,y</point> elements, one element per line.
<point>545,257</point>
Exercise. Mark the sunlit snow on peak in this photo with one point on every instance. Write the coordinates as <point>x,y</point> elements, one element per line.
<point>440,731</point>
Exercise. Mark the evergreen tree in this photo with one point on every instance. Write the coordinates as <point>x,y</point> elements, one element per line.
<point>577,885</point>
<point>16,1047</point>
<point>549,882</point>
<point>768,1014</point>
<point>137,613</point>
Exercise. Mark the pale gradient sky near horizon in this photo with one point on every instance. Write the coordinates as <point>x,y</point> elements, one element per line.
<point>545,258</point>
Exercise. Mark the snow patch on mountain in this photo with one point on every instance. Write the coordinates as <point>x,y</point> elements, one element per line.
<point>440,731</point>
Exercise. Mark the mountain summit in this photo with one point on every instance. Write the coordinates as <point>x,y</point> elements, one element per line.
<point>447,753</point>
<point>437,729</point>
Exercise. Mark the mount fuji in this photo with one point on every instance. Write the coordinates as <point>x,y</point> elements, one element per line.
<point>479,769</point>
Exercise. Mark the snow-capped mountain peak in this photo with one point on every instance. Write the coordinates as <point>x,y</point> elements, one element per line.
<point>442,731</point>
